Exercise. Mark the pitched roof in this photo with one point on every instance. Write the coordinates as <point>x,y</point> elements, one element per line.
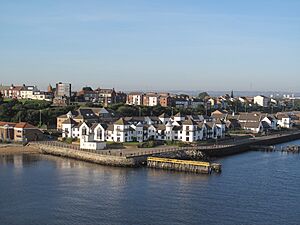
<point>24,125</point>
<point>189,122</point>
<point>164,115</point>
<point>177,128</point>
<point>253,117</point>
<point>161,127</point>
<point>94,125</point>
<point>219,121</point>
<point>110,127</point>
<point>135,93</point>
<point>121,121</point>
<point>280,116</point>
<point>7,123</point>
<point>250,124</point>
<point>69,121</point>
<point>179,114</point>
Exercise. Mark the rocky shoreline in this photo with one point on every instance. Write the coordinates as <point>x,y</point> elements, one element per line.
<point>185,155</point>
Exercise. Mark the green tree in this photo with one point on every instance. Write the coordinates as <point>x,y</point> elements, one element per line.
<point>1,98</point>
<point>203,95</point>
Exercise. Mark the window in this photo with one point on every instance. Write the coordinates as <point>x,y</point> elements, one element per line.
<point>99,133</point>
<point>84,131</point>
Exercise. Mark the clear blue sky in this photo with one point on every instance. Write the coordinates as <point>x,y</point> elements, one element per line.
<point>152,44</point>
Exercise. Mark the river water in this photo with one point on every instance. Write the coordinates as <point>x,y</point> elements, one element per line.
<point>254,188</point>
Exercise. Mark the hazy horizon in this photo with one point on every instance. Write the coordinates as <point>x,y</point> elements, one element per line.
<point>152,45</point>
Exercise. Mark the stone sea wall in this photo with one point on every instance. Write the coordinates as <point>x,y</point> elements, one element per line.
<point>92,157</point>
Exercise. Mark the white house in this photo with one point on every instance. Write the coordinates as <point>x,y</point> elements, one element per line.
<point>143,129</point>
<point>284,120</point>
<point>271,121</point>
<point>27,92</point>
<point>123,132</point>
<point>262,100</point>
<point>68,128</point>
<point>88,142</point>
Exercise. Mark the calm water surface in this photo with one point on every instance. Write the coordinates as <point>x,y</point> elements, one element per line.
<point>254,188</point>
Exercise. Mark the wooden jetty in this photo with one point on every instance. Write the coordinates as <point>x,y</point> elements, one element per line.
<point>183,165</point>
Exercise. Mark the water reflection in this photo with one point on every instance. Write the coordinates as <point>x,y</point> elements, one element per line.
<point>254,188</point>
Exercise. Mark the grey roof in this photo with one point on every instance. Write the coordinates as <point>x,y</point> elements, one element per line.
<point>189,122</point>
<point>253,117</point>
<point>94,125</point>
<point>164,115</point>
<point>110,127</point>
<point>70,121</point>
<point>280,116</point>
<point>87,113</point>
<point>250,124</point>
<point>161,127</point>
<point>177,128</point>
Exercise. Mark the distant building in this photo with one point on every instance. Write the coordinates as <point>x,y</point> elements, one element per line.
<point>87,94</point>
<point>121,97</point>
<point>42,95</point>
<point>13,92</point>
<point>262,100</point>
<point>135,98</point>
<point>63,90</point>
<point>106,96</point>
<point>27,92</point>
<point>150,99</point>
<point>165,100</point>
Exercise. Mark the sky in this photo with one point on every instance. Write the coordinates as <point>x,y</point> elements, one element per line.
<point>152,44</point>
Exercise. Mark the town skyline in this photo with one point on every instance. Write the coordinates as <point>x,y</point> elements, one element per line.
<point>195,92</point>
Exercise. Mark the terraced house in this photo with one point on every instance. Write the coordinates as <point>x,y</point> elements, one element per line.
<point>164,128</point>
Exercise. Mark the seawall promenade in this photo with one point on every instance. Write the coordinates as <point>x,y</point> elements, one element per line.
<point>136,157</point>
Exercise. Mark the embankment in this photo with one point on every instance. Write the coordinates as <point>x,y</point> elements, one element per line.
<point>92,157</point>
<point>244,147</point>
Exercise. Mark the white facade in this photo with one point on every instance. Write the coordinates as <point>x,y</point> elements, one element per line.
<point>123,131</point>
<point>88,142</point>
<point>261,100</point>
<point>153,101</point>
<point>27,92</point>
<point>136,99</point>
<point>285,122</point>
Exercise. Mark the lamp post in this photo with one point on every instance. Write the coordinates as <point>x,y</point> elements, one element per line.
<point>40,117</point>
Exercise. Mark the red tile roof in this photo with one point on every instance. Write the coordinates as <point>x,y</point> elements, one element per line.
<point>7,123</point>
<point>24,125</point>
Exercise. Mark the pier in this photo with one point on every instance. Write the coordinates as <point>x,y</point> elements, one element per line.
<point>183,165</point>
